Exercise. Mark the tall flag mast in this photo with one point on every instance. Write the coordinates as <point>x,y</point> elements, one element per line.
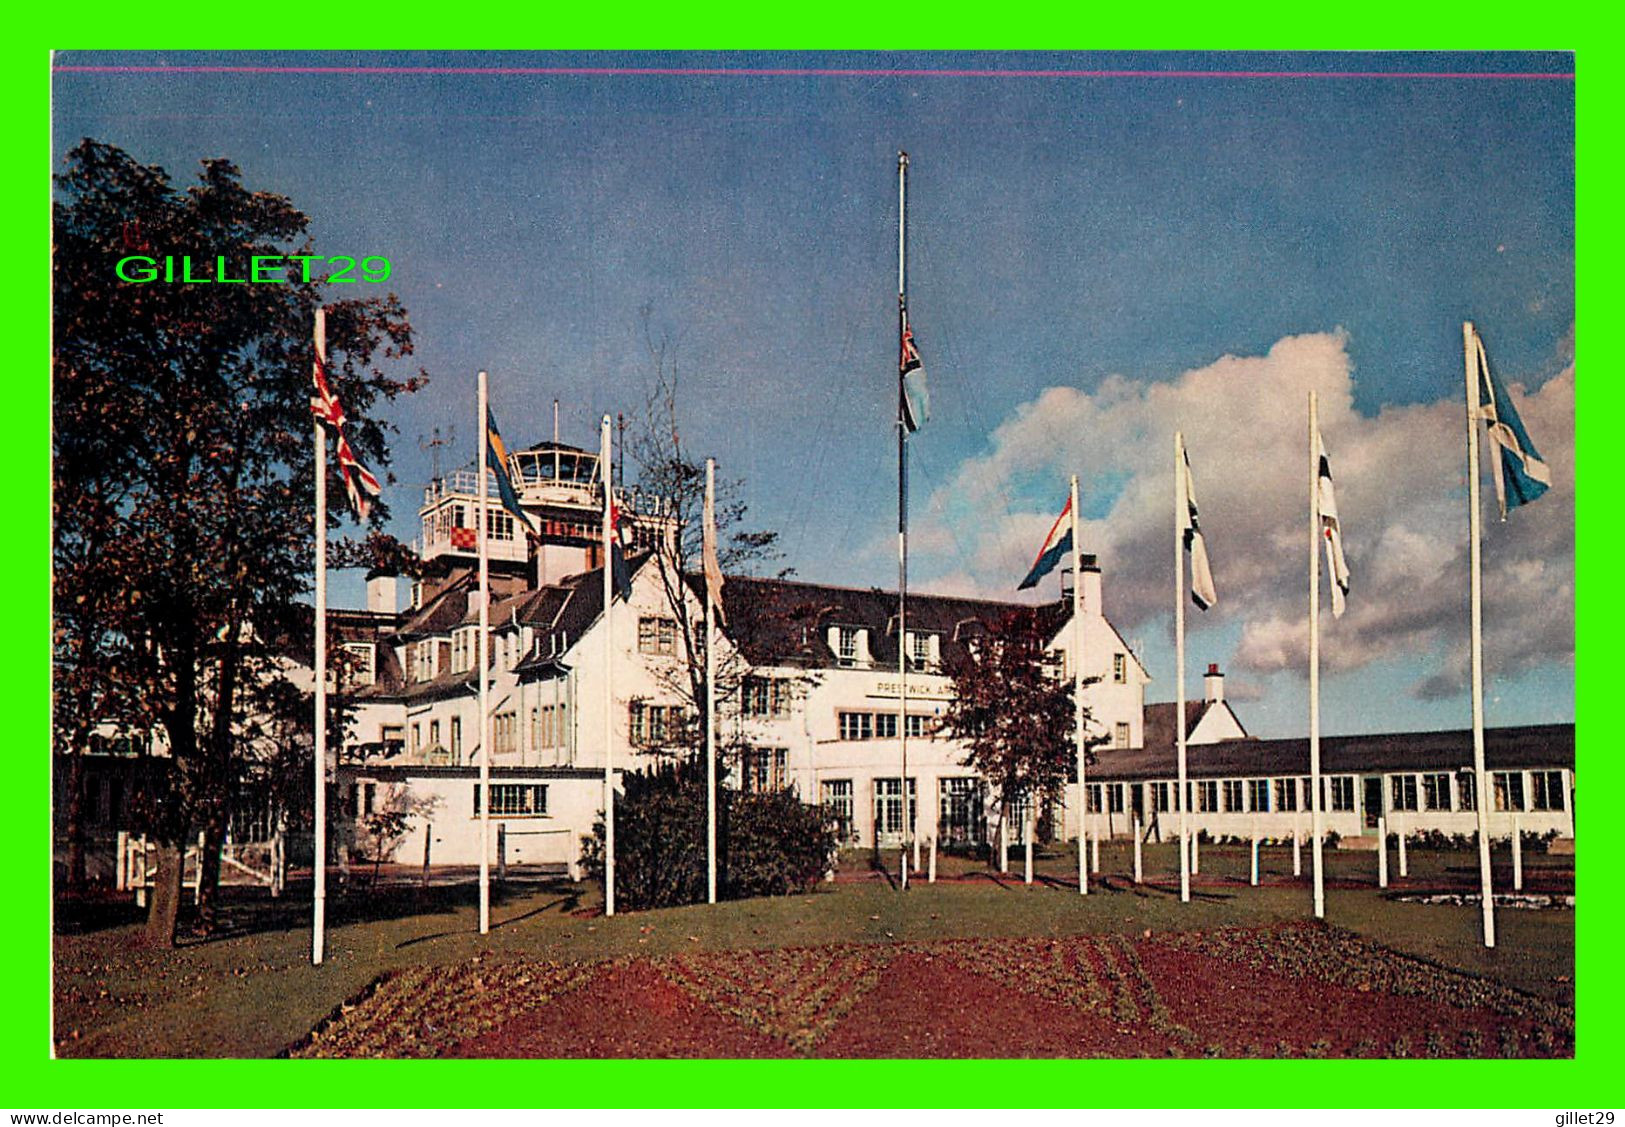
<point>1077,685</point>
<point>609,665</point>
<point>1523,477</point>
<point>484,656</point>
<point>713,612</point>
<point>908,361</point>
<point>1324,525</point>
<point>363,489</point>
<point>318,930</point>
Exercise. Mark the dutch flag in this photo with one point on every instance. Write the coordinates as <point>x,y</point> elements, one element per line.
<point>1056,545</point>
<point>1524,475</point>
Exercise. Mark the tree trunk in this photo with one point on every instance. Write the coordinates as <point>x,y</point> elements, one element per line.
<point>166,897</point>
<point>76,821</point>
<point>208,904</point>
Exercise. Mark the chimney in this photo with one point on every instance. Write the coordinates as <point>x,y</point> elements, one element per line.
<point>1091,588</point>
<point>382,597</point>
<point>1213,684</point>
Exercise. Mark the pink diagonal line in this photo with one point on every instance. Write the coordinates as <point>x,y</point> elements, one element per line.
<point>810,72</point>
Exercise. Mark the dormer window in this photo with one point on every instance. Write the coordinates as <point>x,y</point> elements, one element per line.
<point>922,650</point>
<point>846,645</point>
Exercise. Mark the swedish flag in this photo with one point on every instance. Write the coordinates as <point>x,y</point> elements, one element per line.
<point>496,460</point>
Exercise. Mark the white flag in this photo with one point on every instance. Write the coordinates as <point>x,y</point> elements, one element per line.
<point>1332,530</point>
<point>1202,593</point>
<point>713,568</point>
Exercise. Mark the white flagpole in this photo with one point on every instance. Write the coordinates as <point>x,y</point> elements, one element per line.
<point>1316,819</point>
<point>1077,690</point>
<point>710,698</point>
<point>902,531</point>
<point>318,931</point>
<point>484,669</point>
<point>1480,777</point>
<point>1181,509</point>
<point>605,474</point>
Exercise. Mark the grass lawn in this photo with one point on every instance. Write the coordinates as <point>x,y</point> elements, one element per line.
<point>254,993</point>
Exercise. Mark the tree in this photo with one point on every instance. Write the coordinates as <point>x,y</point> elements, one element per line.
<point>182,448</point>
<point>1014,712</point>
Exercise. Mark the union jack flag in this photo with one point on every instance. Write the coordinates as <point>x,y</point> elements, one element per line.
<point>359,481</point>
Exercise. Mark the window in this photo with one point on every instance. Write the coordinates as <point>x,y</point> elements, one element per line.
<point>1114,798</point>
<point>423,663</point>
<point>1232,796</point>
<point>835,795</point>
<point>764,696</point>
<point>1436,791</point>
<point>886,725</point>
<point>362,668</point>
<point>1508,788</point>
<point>846,645</point>
<point>512,800</point>
<point>392,736</point>
<point>1258,795</point>
<point>1120,669</point>
<point>366,794</point>
<point>959,810</point>
<point>1159,797</point>
<point>1120,735</point>
<point>1466,791</point>
<point>1342,792</point>
<point>654,724</point>
<point>434,733</point>
<point>1286,794</point>
<point>547,725</point>
<point>456,734</point>
<point>918,726</point>
<point>764,769</point>
<point>919,647</point>
<point>657,636</point>
<point>1547,790</point>
<point>889,806</point>
<point>498,523</point>
<point>857,725</point>
<point>1207,795</point>
<point>504,733</point>
<point>1402,789</point>
<point>1092,802</point>
<point>417,737</point>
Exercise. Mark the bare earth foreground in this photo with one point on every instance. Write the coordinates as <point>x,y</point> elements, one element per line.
<point>1294,990</point>
<point>976,965</point>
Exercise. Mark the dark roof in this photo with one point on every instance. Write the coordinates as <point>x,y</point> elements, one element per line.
<point>776,621</point>
<point>1537,745</point>
<point>1160,717</point>
<point>564,446</point>
<point>441,614</point>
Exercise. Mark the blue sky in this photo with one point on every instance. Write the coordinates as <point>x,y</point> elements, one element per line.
<point>1095,260</point>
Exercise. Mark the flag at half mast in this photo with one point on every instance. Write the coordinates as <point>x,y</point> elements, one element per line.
<point>1056,545</point>
<point>1202,593</point>
<point>913,400</point>
<point>712,565</point>
<point>1332,529</point>
<point>1524,475</point>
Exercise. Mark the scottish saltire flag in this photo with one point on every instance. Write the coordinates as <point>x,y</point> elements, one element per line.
<point>496,460</point>
<point>359,483</point>
<point>1202,593</point>
<point>914,401</point>
<point>1524,475</point>
<point>1332,529</point>
<point>1056,545</point>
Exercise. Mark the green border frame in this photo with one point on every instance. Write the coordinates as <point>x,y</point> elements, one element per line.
<point>35,1081</point>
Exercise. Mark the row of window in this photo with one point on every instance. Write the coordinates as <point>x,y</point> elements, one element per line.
<point>959,807</point>
<point>1430,791</point>
<point>514,799</point>
<point>455,524</point>
<point>882,725</point>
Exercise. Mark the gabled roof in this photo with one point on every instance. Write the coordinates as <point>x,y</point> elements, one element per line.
<point>1536,745</point>
<point>784,621</point>
<point>1160,719</point>
<point>441,614</point>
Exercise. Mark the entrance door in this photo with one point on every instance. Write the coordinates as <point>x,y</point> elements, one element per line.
<point>889,811</point>
<point>1373,800</point>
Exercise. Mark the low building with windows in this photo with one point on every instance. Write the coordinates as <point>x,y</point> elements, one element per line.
<point>1416,781</point>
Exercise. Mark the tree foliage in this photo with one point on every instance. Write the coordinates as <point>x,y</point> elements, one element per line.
<point>184,470</point>
<point>1014,713</point>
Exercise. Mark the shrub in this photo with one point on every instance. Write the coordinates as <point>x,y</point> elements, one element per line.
<point>767,844</point>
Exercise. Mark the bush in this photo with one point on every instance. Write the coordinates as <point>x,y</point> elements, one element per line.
<point>769,844</point>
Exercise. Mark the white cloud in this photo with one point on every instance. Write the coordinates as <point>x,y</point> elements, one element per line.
<point>1401,491</point>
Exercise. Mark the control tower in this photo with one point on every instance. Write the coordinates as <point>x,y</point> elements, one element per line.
<point>561,488</point>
